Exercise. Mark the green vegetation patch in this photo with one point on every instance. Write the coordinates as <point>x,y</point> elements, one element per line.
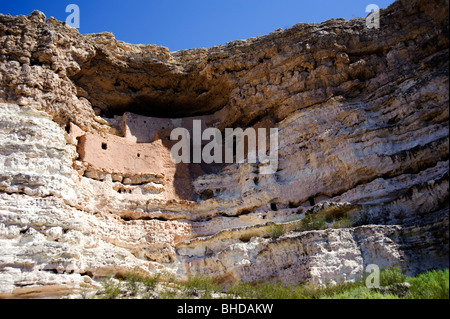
<point>394,284</point>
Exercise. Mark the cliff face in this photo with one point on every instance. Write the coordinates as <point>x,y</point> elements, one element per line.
<point>362,116</point>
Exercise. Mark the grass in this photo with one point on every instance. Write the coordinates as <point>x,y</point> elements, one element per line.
<point>333,219</point>
<point>311,222</point>
<point>390,276</point>
<point>361,292</point>
<point>276,230</point>
<point>132,282</point>
<point>343,222</point>
<point>281,291</point>
<point>151,281</point>
<point>271,291</point>
<point>111,288</point>
<point>201,286</point>
<point>168,293</point>
<point>429,285</point>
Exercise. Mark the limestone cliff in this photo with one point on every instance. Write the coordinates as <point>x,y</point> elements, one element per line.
<point>87,187</point>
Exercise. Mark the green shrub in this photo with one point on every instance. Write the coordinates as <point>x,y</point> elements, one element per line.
<point>202,286</point>
<point>391,276</point>
<point>151,281</point>
<point>258,291</point>
<point>344,222</point>
<point>272,291</point>
<point>276,230</point>
<point>167,276</point>
<point>132,280</point>
<point>168,293</point>
<point>336,290</point>
<point>360,292</point>
<point>324,220</point>
<point>111,288</point>
<point>312,222</point>
<point>430,285</point>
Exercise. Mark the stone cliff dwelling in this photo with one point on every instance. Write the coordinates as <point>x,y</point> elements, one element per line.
<point>88,188</point>
<point>139,161</point>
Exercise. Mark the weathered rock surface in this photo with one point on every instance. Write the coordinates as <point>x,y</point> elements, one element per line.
<point>363,127</point>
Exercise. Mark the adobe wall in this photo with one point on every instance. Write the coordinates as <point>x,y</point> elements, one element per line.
<point>142,129</point>
<point>117,155</point>
<point>145,150</point>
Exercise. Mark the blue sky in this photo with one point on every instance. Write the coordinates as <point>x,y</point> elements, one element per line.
<point>192,23</point>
